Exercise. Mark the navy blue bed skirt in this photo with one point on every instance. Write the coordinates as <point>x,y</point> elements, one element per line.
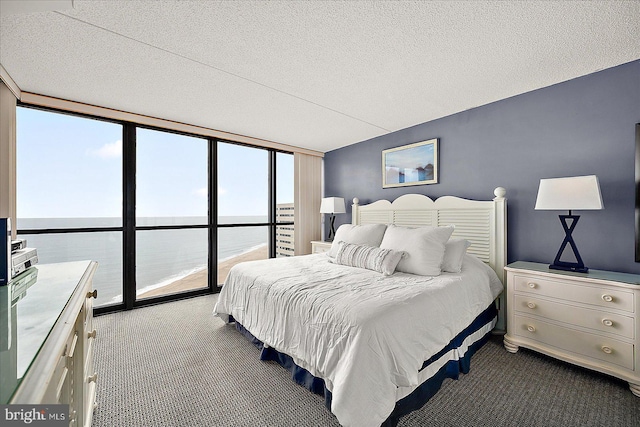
<point>413,401</point>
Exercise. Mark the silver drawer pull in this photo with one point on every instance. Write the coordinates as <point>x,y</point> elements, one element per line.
<point>93,294</point>
<point>607,322</point>
<point>531,304</point>
<point>92,378</point>
<point>607,350</point>
<point>607,298</point>
<point>92,334</point>
<point>531,328</point>
<point>532,285</point>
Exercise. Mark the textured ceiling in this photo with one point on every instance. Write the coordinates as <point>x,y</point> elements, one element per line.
<point>319,75</point>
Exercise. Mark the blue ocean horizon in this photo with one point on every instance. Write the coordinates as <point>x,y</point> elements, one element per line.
<point>163,256</point>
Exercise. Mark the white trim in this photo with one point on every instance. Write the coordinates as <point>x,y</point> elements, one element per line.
<point>11,84</point>
<point>108,113</point>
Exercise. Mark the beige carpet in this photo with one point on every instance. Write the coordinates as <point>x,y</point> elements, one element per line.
<point>176,365</point>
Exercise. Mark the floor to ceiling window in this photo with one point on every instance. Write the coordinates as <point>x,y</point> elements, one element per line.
<point>165,214</point>
<point>69,192</point>
<point>172,197</point>
<point>253,199</point>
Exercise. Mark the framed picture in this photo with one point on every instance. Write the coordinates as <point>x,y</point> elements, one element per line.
<point>413,164</point>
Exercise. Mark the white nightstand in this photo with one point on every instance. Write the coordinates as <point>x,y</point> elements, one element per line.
<point>590,320</point>
<point>318,247</point>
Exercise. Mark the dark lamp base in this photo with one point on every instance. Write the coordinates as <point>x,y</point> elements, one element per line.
<point>565,267</point>
<point>578,266</point>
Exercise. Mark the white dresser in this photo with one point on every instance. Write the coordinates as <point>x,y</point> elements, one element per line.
<point>319,247</point>
<point>47,350</point>
<point>590,320</point>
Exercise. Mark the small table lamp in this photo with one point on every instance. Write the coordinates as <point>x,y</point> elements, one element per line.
<point>573,193</point>
<point>332,205</point>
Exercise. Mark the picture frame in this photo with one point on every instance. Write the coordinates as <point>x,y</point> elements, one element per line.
<point>413,164</point>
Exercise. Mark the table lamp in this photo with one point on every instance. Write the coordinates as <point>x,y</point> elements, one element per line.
<point>572,193</point>
<point>332,205</point>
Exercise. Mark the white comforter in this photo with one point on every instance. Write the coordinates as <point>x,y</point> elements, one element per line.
<point>362,332</point>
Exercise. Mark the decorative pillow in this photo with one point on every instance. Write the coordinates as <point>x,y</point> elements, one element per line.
<point>381,260</point>
<point>370,235</point>
<point>454,251</point>
<point>424,248</point>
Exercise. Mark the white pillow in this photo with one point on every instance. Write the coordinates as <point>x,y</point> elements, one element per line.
<point>372,258</point>
<point>424,248</point>
<point>370,235</point>
<point>454,251</point>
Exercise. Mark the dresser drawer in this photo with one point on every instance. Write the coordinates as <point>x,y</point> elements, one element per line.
<point>572,291</point>
<point>605,349</point>
<point>589,318</point>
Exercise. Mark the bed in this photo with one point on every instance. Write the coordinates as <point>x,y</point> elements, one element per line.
<point>379,345</point>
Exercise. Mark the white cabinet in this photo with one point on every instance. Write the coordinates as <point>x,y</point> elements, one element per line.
<point>318,247</point>
<point>49,359</point>
<point>589,319</point>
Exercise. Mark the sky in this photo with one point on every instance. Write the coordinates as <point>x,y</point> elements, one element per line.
<point>72,167</point>
<point>410,158</point>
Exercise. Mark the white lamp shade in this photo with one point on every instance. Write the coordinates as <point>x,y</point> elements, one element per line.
<point>332,205</point>
<point>573,193</point>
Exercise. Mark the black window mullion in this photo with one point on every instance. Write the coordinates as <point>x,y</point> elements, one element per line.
<point>272,204</point>
<point>170,227</point>
<point>213,215</point>
<point>129,214</point>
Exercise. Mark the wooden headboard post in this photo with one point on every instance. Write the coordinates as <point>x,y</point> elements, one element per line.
<point>483,223</point>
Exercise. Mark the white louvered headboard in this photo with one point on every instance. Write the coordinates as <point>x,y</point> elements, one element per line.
<point>483,223</point>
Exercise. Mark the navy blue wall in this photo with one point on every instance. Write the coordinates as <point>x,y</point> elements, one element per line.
<point>580,127</point>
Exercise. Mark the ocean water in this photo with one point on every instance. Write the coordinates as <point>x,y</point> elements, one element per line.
<point>162,256</point>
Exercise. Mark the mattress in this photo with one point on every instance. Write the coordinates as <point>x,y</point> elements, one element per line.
<point>365,335</point>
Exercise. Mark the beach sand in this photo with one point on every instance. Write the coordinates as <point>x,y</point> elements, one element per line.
<point>199,279</point>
